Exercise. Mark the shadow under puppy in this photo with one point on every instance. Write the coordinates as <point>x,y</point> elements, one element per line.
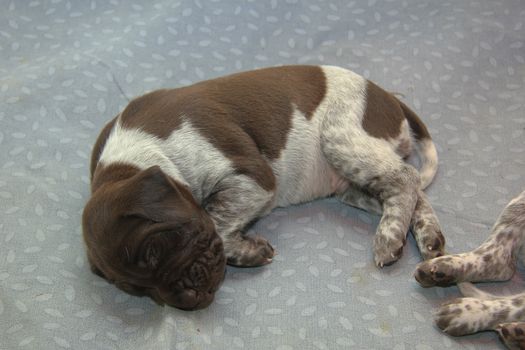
<point>494,260</point>
<point>179,174</point>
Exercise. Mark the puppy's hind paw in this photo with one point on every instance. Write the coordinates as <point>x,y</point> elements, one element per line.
<point>432,246</point>
<point>387,251</point>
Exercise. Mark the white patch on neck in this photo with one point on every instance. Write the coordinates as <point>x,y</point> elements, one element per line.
<point>201,164</point>
<point>186,156</point>
<point>138,148</point>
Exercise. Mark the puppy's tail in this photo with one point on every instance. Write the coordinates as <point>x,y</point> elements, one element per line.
<point>469,290</point>
<point>425,148</point>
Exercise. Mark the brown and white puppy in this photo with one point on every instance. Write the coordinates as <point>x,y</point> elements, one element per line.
<point>180,173</point>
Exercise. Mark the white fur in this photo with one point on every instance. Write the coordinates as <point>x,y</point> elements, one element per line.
<point>199,162</point>
<point>186,156</point>
<point>427,153</point>
<point>302,171</point>
<point>138,148</point>
<point>345,102</point>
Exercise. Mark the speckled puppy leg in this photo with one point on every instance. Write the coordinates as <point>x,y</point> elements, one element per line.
<point>487,263</point>
<point>494,260</point>
<point>426,229</point>
<point>512,334</point>
<point>470,315</point>
<point>372,164</point>
<point>424,224</point>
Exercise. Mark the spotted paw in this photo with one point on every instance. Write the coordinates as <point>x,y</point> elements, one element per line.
<point>441,272</point>
<point>386,250</point>
<point>250,251</point>
<point>432,245</point>
<point>512,334</point>
<point>469,315</point>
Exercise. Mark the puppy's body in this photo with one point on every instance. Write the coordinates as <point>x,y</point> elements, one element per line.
<point>247,143</point>
<point>289,142</point>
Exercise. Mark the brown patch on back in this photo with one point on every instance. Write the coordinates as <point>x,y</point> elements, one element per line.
<point>250,108</point>
<point>244,115</point>
<point>383,114</point>
<point>99,145</point>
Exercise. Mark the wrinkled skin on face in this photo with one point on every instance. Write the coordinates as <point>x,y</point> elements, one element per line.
<point>148,236</point>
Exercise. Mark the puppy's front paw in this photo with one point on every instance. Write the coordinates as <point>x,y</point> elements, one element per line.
<point>468,315</point>
<point>387,250</point>
<point>250,251</point>
<point>512,334</point>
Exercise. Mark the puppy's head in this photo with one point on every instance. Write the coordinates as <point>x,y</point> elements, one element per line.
<point>148,236</point>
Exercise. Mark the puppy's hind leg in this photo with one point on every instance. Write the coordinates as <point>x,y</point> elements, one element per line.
<point>424,224</point>
<point>372,164</point>
<point>426,229</point>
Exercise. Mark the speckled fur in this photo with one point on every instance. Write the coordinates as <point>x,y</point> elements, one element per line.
<point>494,260</point>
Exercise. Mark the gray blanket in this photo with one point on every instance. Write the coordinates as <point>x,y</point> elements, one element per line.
<point>67,67</point>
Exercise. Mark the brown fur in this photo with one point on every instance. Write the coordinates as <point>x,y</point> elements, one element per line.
<point>419,129</point>
<point>383,114</point>
<point>137,227</point>
<point>235,112</point>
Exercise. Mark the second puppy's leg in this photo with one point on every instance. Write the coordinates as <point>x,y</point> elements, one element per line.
<point>494,260</point>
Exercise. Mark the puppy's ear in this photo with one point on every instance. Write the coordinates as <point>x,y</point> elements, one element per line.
<point>156,197</point>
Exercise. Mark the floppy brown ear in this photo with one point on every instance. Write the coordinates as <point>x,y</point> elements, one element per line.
<point>158,198</point>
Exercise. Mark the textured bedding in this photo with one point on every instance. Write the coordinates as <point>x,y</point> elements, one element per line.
<point>67,67</point>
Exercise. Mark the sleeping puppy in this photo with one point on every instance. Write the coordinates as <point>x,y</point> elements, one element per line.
<point>179,174</point>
